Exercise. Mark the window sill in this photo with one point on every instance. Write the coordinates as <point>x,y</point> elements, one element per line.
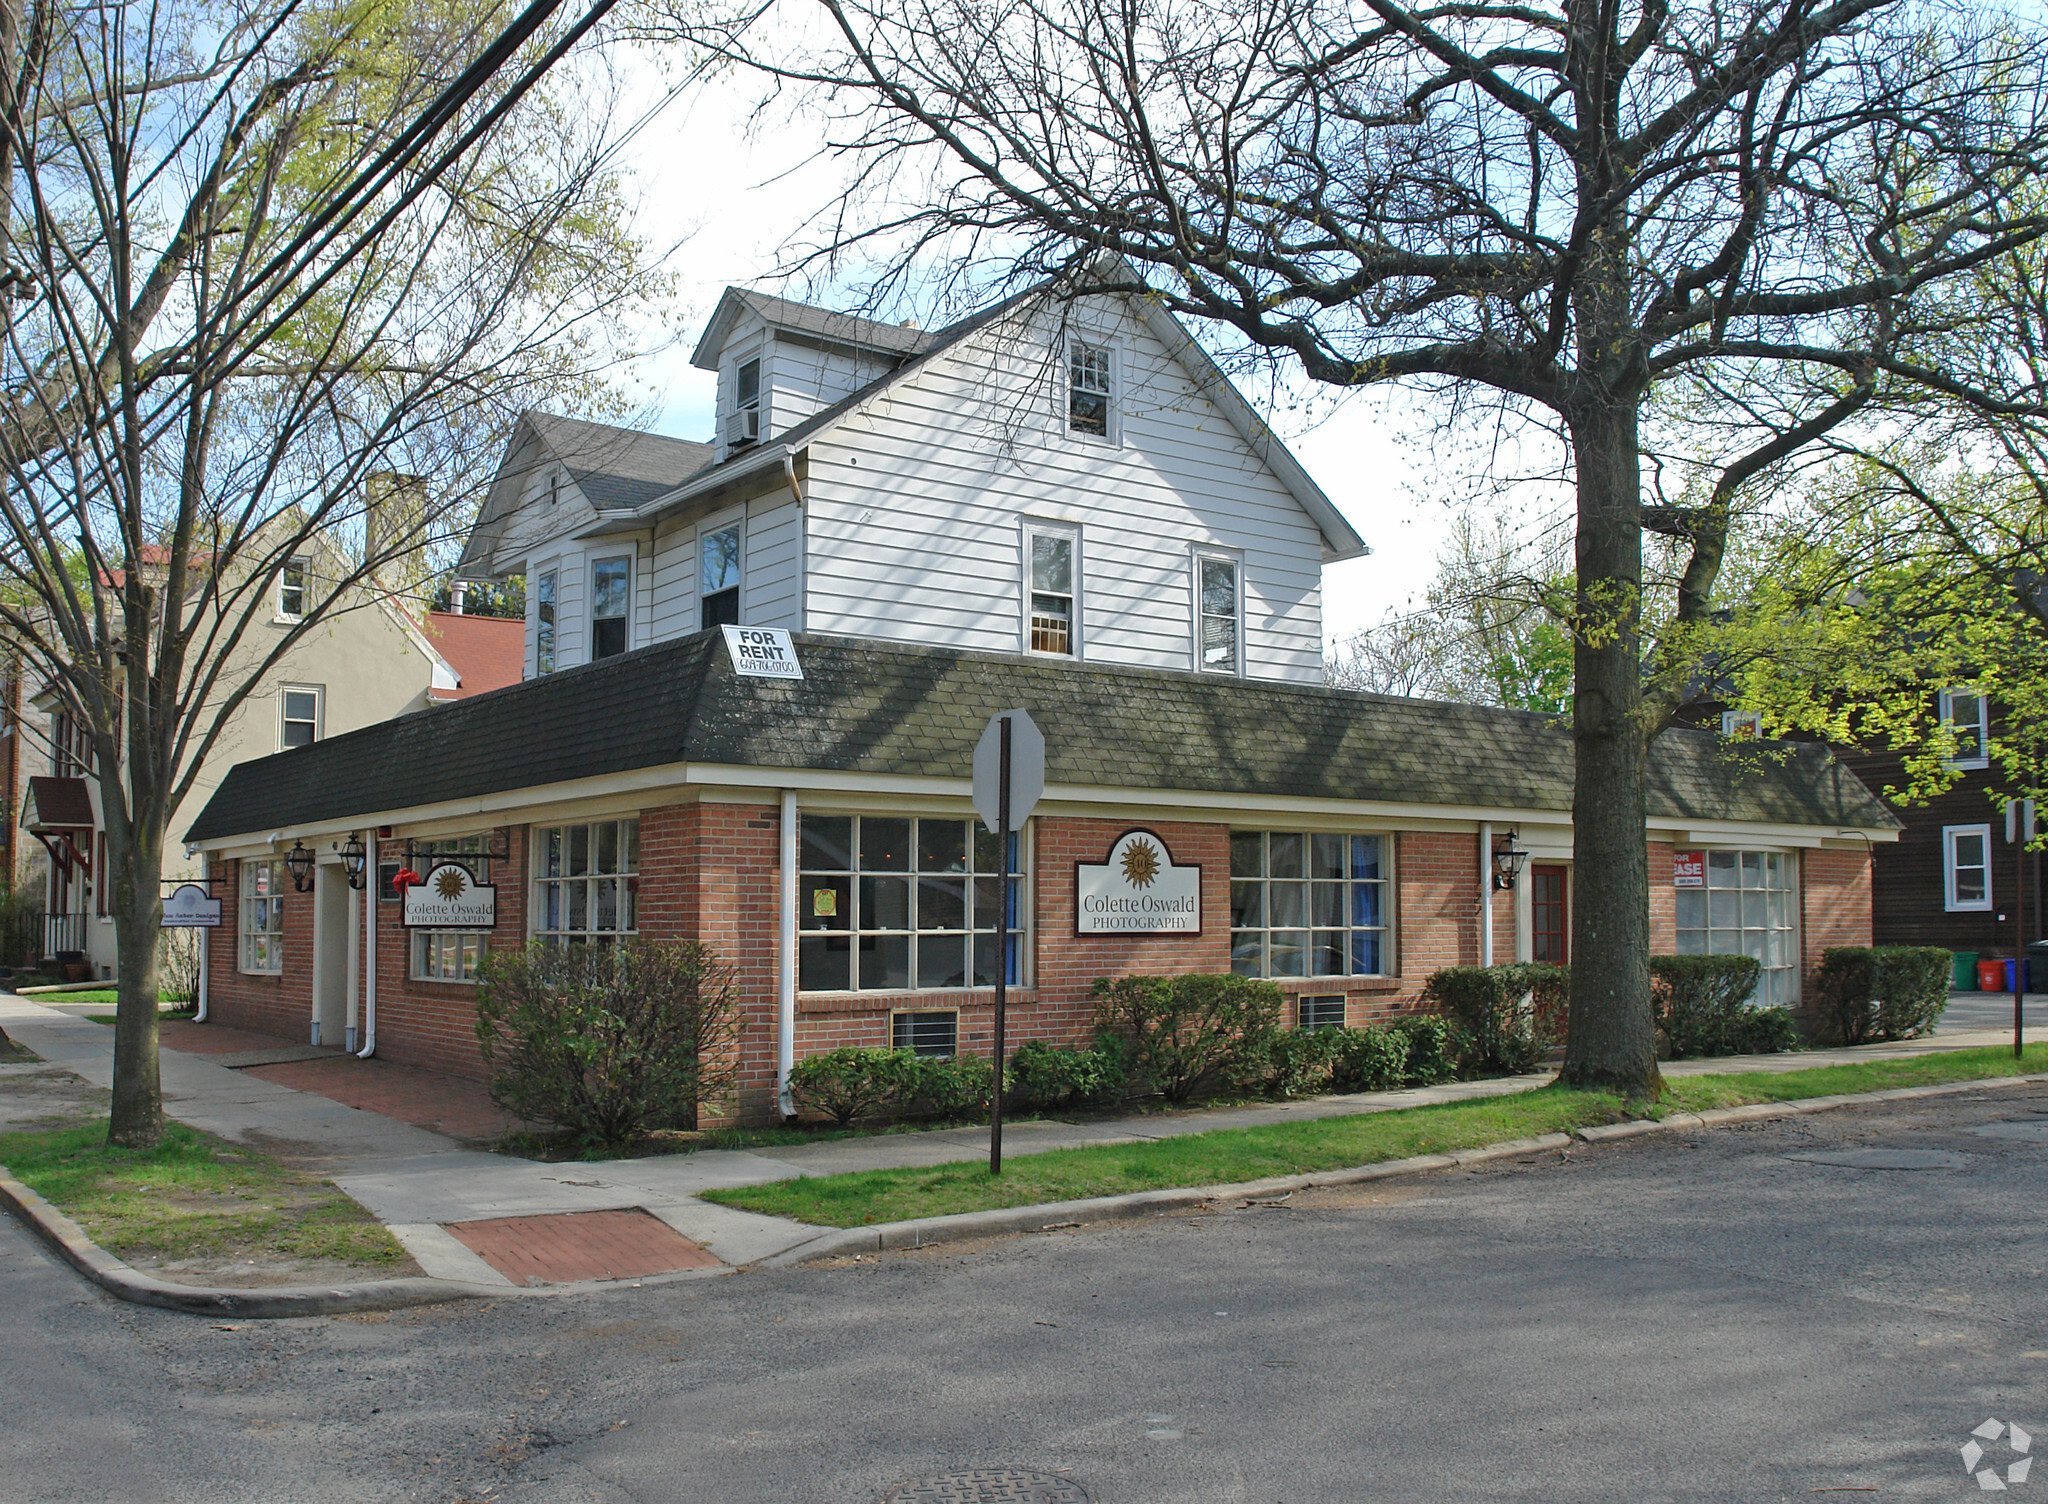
<point>894,1002</point>
<point>1968,764</point>
<point>246,972</point>
<point>444,981</point>
<point>1967,908</point>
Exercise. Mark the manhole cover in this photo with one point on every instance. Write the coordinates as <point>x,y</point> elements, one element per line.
<point>1884,1159</point>
<point>988,1485</point>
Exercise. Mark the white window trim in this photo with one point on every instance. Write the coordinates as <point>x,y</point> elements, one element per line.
<point>1236,562</point>
<point>1949,902</point>
<point>1071,532</point>
<point>536,903</point>
<point>243,898</point>
<point>1113,438</point>
<point>1983,729</point>
<point>305,565</point>
<point>319,694</point>
<point>1732,722</point>
<point>734,521</point>
<point>596,558</point>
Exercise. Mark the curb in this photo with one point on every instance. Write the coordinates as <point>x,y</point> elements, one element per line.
<point>69,1242</point>
<point>1046,1216</point>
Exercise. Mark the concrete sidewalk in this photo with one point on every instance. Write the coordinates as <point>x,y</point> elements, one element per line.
<point>442,1199</point>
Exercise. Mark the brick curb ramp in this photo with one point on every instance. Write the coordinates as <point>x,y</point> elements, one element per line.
<point>1057,1214</point>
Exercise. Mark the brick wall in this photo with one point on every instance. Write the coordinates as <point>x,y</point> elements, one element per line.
<point>280,1004</point>
<point>1834,906</point>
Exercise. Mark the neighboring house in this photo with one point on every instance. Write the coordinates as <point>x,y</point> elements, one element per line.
<point>356,668</point>
<point>1059,504</point>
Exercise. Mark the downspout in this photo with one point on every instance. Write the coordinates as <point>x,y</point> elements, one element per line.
<point>370,966</point>
<point>785,969</point>
<point>205,966</point>
<point>789,475</point>
<point>355,968</point>
<point>1485,892</point>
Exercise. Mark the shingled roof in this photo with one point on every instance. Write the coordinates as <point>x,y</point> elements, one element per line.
<point>874,709</point>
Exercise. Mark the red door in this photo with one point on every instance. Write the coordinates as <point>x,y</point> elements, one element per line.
<point>1550,924</point>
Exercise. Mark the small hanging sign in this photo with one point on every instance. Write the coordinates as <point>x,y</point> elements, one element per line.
<point>762,653</point>
<point>1139,890</point>
<point>189,908</point>
<point>450,898</point>
<point>1688,869</point>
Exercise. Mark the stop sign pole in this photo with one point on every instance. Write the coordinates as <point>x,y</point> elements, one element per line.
<point>1009,778</point>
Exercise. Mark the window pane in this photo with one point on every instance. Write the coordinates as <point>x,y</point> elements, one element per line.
<point>1721,869</point>
<point>825,903</point>
<point>827,843</point>
<point>942,846</point>
<point>942,961</point>
<point>1286,856</point>
<point>1969,849</point>
<point>1752,869</point>
<point>884,903</point>
<point>1287,953</point>
<point>821,963</point>
<point>1289,904</point>
<point>1692,908</point>
<point>1365,856</point>
<point>1326,856</point>
<point>1052,564</point>
<point>606,916</point>
<point>1219,588</point>
<point>941,903</point>
<point>579,905</point>
<point>988,900</point>
<point>579,850</point>
<point>1327,904</point>
<point>1247,853</point>
<point>1326,955</point>
<point>1248,954</point>
<point>985,959</point>
<point>1365,953</point>
<point>988,856</point>
<point>1219,643</point>
<point>1247,905</point>
<point>607,847</point>
<point>884,845</point>
<point>301,705</point>
<point>1365,904</point>
<point>608,587</point>
<point>721,562</point>
<point>884,963</point>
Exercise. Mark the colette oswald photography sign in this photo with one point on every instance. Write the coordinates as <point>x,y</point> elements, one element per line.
<point>449,898</point>
<point>1138,891</point>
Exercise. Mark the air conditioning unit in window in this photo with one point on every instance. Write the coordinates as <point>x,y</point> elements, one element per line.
<point>743,428</point>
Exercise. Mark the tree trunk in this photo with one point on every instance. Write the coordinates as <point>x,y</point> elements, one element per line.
<point>138,1110</point>
<point>1612,1043</point>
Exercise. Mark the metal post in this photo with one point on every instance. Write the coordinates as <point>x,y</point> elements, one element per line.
<point>995,1101</point>
<point>2022,811</point>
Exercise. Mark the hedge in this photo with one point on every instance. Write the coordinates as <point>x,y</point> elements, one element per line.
<point>1873,992</point>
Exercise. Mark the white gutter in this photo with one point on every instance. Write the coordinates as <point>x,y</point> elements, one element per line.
<point>370,966</point>
<point>1485,893</point>
<point>785,969</point>
<point>205,965</point>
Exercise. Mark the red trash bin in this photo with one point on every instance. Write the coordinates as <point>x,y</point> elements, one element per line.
<point>1991,976</point>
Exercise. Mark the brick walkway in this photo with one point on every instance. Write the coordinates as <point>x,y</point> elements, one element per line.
<point>451,1105</point>
<point>214,1039</point>
<point>552,1249</point>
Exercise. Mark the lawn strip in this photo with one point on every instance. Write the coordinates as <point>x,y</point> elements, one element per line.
<point>1231,1155</point>
<point>194,1196</point>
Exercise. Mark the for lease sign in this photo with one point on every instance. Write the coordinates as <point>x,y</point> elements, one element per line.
<point>1688,869</point>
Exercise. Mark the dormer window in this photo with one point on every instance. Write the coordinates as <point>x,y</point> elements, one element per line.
<point>744,427</point>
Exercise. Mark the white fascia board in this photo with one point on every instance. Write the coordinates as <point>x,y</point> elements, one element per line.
<point>1749,833</point>
<point>719,476</point>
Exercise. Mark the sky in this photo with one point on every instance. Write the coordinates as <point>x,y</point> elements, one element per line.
<point>729,197</point>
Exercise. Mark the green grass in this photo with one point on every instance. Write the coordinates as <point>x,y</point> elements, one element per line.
<point>194,1196</point>
<point>1230,1155</point>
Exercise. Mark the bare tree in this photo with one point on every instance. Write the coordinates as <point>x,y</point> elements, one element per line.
<point>258,258</point>
<point>1715,232</point>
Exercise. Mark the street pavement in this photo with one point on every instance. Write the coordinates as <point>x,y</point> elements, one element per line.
<point>1748,1313</point>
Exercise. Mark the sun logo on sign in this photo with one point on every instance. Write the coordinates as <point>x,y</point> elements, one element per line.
<point>449,884</point>
<point>1141,864</point>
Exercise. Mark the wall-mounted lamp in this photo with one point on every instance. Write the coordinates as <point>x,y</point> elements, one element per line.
<point>354,855</point>
<point>1507,863</point>
<point>299,862</point>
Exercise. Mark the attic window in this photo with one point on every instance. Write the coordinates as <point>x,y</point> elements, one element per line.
<point>291,590</point>
<point>1088,389</point>
<point>744,427</point>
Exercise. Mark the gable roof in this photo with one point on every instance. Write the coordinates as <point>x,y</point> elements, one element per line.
<point>877,710</point>
<point>486,652</point>
<point>801,318</point>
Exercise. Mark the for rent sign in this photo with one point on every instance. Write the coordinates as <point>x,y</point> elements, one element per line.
<point>762,653</point>
<point>1138,891</point>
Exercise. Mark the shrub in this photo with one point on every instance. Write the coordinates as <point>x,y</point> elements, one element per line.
<point>1188,1032</point>
<point>1698,1000</point>
<point>1373,1059</point>
<point>952,1086</point>
<point>1057,1078</point>
<point>851,1082</point>
<point>1507,1012</point>
<point>1303,1062</point>
<point>1868,992</point>
<point>1762,1031</point>
<point>1435,1045</point>
<point>609,1042</point>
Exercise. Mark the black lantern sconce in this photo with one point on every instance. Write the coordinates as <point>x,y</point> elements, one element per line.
<point>1507,863</point>
<point>299,862</point>
<point>354,857</point>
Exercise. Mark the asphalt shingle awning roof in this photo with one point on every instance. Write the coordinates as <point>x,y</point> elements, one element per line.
<point>872,709</point>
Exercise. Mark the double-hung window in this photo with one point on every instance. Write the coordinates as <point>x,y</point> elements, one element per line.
<point>291,589</point>
<point>1742,725</point>
<point>1966,867</point>
<point>718,583</point>
<point>887,903</point>
<point>745,425</point>
<point>1965,714</point>
<point>451,955</point>
<point>298,709</point>
<point>261,917</point>
<point>544,624</point>
<point>1217,638</point>
<point>611,598</point>
<point>1749,907</point>
<point>586,881</point>
<point>1051,596</point>
<point>1090,388</point>
<point>1307,904</point>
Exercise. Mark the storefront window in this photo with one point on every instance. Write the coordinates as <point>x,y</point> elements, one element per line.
<point>1747,908</point>
<point>887,903</point>
<point>451,955</point>
<point>586,881</point>
<point>262,916</point>
<point>1307,904</point>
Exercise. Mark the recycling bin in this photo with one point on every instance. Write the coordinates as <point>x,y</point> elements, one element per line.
<point>1965,979</point>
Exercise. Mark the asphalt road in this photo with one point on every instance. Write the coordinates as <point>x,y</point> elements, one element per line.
<point>1686,1318</point>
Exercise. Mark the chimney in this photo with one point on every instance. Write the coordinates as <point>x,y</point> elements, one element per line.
<point>457,589</point>
<point>910,324</point>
